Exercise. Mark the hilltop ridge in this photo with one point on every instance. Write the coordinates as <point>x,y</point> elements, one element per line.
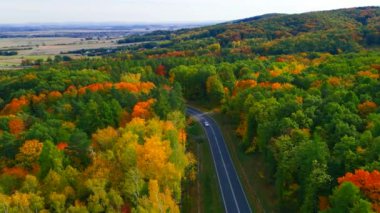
<point>331,31</point>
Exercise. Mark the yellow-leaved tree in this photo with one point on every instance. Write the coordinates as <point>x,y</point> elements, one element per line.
<point>29,153</point>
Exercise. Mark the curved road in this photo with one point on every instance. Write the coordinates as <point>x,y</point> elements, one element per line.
<point>233,195</point>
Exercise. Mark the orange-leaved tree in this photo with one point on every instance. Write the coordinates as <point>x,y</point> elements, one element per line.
<point>29,152</point>
<point>54,95</point>
<point>16,126</point>
<point>367,107</point>
<point>15,105</point>
<point>142,109</point>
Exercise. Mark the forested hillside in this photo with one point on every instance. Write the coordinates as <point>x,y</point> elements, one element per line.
<point>108,134</point>
<point>345,30</point>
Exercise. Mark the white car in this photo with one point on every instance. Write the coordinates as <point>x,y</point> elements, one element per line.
<point>206,123</point>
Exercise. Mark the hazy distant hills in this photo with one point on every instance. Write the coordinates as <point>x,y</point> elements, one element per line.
<point>84,30</point>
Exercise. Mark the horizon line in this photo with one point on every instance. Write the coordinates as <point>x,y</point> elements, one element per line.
<point>114,22</point>
<point>167,22</point>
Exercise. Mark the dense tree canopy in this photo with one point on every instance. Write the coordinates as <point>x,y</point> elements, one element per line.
<point>78,141</point>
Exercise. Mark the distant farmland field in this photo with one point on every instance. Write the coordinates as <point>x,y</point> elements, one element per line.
<point>33,48</point>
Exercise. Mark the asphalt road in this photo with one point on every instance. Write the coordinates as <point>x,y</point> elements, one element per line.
<point>233,195</point>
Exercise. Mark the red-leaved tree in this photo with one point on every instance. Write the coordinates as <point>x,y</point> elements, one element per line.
<point>368,182</point>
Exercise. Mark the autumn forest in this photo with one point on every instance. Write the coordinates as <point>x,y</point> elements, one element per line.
<point>109,133</point>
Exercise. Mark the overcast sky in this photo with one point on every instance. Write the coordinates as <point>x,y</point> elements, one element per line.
<point>156,11</point>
